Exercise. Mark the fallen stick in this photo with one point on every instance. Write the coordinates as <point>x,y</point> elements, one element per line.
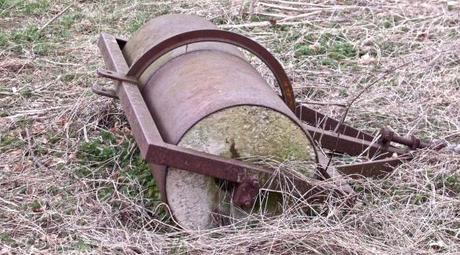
<point>55,17</point>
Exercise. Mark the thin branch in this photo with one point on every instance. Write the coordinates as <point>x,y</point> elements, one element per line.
<point>55,17</point>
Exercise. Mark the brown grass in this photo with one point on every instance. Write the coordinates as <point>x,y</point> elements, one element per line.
<point>65,190</point>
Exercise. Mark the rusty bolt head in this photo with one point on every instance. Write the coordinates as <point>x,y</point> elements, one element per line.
<point>246,192</point>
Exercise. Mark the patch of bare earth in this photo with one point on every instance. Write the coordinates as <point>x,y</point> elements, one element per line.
<point>71,180</point>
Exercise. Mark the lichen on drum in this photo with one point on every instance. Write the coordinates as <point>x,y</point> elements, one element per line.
<point>241,132</point>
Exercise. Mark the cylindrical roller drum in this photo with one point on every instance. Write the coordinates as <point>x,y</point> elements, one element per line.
<point>207,97</point>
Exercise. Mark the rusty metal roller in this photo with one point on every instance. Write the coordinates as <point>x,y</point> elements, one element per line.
<point>198,110</point>
<point>206,96</point>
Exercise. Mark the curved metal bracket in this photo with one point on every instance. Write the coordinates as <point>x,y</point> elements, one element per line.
<point>214,35</point>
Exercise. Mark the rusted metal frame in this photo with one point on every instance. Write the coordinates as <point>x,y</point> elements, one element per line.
<point>143,127</point>
<point>303,112</point>
<point>149,139</point>
<point>233,170</point>
<point>374,168</point>
<point>202,163</point>
<point>154,150</point>
<point>354,142</point>
<point>350,145</point>
<point>214,35</point>
<point>240,172</point>
<point>359,141</point>
<point>317,119</point>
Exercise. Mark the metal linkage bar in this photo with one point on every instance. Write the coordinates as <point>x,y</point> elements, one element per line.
<point>342,138</point>
<point>350,145</point>
<point>143,127</point>
<point>374,168</point>
<point>319,120</point>
<point>202,163</point>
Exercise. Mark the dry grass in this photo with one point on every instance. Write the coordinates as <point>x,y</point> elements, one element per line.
<point>70,177</point>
